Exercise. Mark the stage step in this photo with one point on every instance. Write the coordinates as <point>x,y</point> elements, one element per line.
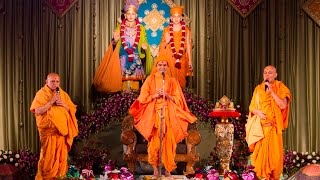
<point>172,177</point>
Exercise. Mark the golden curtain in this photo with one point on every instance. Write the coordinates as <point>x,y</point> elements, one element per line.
<point>229,55</point>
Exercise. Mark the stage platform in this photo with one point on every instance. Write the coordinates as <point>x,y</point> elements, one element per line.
<point>172,177</point>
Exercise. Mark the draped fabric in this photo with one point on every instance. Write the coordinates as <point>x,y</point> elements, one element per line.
<point>229,54</point>
<point>60,7</point>
<point>146,112</point>
<point>115,66</point>
<point>268,151</point>
<point>34,42</point>
<point>57,128</point>
<point>179,73</point>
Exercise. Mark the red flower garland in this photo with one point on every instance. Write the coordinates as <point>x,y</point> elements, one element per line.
<point>131,50</point>
<point>176,55</point>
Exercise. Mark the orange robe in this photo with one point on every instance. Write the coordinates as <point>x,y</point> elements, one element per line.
<point>267,156</point>
<point>108,77</point>
<point>57,127</point>
<point>164,48</point>
<point>146,111</point>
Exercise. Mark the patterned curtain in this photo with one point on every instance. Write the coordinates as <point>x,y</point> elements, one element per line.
<point>60,7</point>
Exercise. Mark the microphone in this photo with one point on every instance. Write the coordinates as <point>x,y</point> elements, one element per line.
<point>57,90</point>
<point>266,86</point>
<point>163,74</point>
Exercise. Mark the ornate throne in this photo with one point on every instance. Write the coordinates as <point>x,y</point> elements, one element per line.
<point>135,146</point>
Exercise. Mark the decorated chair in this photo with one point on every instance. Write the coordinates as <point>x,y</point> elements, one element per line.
<point>135,146</point>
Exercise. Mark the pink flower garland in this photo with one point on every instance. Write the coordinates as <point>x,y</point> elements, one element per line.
<point>131,50</point>
<point>176,55</point>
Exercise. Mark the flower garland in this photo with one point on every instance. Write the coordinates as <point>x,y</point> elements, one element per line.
<point>178,55</point>
<point>131,50</point>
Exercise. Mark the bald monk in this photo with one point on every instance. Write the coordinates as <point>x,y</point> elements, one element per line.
<point>146,111</point>
<point>57,126</point>
<point>270,104</point>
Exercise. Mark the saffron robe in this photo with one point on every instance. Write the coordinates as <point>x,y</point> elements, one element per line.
<point>57,128</point>
<point>145,111</point>
<point>164,48</point>
<point>109,75</point>
<point>267,156</point>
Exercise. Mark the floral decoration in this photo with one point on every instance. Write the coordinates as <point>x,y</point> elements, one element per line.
<point>207,173</point>
<point>107,108</point>
<point>28,162</point>
<point>178,55</point>
<point>294,160</point>
<point>91,158</point>
<point>23,159</point>
<point>113,173</point>
<point>113,107</point>
<point>9,157</point>
<point>249,174</point>
<point>130,50</point>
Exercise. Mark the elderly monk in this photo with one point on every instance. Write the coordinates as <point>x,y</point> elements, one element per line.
<point>269,107</point>
<point>161,96</point>
<point>176,42</point>
<point>57,125</point>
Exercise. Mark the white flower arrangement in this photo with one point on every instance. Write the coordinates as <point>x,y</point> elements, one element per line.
<point>9,157</point>
<point>294,160</point>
